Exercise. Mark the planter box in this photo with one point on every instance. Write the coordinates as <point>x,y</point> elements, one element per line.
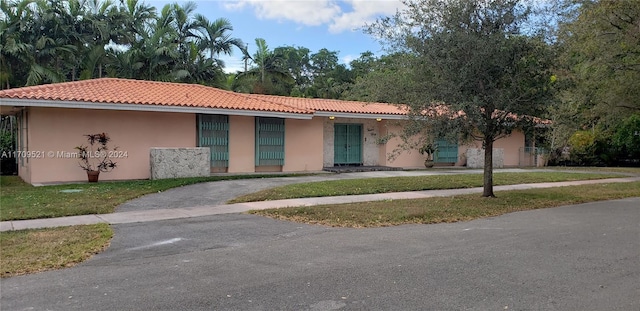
<point>180,162</point>
<point>475,158</point>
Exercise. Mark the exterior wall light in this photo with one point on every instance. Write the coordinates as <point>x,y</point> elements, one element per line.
<point>332,118</point>
<point>378,119</point>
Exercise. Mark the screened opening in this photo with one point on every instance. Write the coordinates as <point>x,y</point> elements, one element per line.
<point>269,141</point>
<point>213,132</point>
<point>446,152</point>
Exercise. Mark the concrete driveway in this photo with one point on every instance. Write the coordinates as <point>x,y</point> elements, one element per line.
<point>582,257</point>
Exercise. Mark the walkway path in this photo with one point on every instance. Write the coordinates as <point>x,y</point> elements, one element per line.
<point>209,198</point>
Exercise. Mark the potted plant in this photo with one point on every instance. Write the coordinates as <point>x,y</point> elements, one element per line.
<point>428,150</point>
<point>96,156</point>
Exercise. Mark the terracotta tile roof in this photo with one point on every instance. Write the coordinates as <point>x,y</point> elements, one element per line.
<point>126,91</point>
<point>334,105</point>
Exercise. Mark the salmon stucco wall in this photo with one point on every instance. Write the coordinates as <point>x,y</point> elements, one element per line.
<point>511,145</point>
<point>370,137</point>
<point>413,159</point>
<point>242,144</point>
<point>401,158</point>
<point>303,145</point>
<point>56,131</point>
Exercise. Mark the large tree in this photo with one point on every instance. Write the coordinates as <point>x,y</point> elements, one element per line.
<point>480,76</point>
<point>599,69</point>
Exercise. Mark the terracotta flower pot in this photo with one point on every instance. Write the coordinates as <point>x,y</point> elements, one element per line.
<point>93,176</point>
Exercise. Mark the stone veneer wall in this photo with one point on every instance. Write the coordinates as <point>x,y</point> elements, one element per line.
<point>180,162</point>
<point>475,158</point>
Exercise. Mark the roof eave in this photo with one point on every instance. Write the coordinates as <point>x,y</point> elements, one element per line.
<point>150,108</point>
<point>356,115</point>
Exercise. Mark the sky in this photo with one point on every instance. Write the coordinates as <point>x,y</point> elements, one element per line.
<point>314,24</point>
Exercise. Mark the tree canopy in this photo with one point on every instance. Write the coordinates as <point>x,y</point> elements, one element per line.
<point>598,71</point>
<point>53,41</point>
<point>474,72</point>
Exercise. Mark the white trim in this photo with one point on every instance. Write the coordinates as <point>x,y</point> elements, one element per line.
<point>360,115</point>
<point>155,108</point>
<point>183,109</point>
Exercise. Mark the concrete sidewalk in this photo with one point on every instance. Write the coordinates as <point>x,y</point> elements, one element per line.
<point>198,211</point>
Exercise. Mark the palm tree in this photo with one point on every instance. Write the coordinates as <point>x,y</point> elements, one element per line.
<point>43,41</point>
<point>52,48</point>
<point>269,76</point>
<point>214,36</point>
<point>13,45</point>
<point>185,29</point>
<point>139,19</point>
<point>203,70</point>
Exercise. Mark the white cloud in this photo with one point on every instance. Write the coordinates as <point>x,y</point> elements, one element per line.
<point>310,13</point>
<point>348,58</point>
<point>363,12</point>
<point>320,12</point>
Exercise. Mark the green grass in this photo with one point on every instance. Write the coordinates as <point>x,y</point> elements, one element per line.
<point>30,251</point>
<point>623,170</point>
<point>415,183</point>
<point>19,200</point>
<point>449,209</point>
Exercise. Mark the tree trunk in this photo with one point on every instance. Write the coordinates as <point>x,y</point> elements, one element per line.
<point>488,168</point>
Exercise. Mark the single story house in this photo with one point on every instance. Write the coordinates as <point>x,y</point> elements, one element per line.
<point>245,132</point>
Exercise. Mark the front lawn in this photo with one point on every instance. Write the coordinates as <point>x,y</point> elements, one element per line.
<point>449,209</point>
<point>31,251</point>
<point>19,200</point>
<point>415,183</point>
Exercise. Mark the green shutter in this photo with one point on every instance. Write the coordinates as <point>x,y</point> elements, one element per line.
<point>446,153</point>
<point>213,132</point>
<point>269,141</point>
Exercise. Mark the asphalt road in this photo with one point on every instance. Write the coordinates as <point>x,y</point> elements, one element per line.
<point>582,257</point>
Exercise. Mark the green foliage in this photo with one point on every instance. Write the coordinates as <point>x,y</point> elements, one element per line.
<point>387,79</point>
<point>598,74</point>
<point>7,144</point>
<point>601,57</point>
<point>268,75</point>
<point>583,148</point>
<point>55,41</point>
<point>626,139</point>
<point>6,141</point>
<point>582,140</point>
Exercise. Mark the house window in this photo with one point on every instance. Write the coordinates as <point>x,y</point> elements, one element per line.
<point>269,141</point>
<point>213,132</point>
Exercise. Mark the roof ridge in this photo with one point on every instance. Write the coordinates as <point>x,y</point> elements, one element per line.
<point>95,81</point>
<point>330,99</point>
<point>252,96</point>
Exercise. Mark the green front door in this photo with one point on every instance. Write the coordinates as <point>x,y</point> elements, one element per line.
<point>347,145</point>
